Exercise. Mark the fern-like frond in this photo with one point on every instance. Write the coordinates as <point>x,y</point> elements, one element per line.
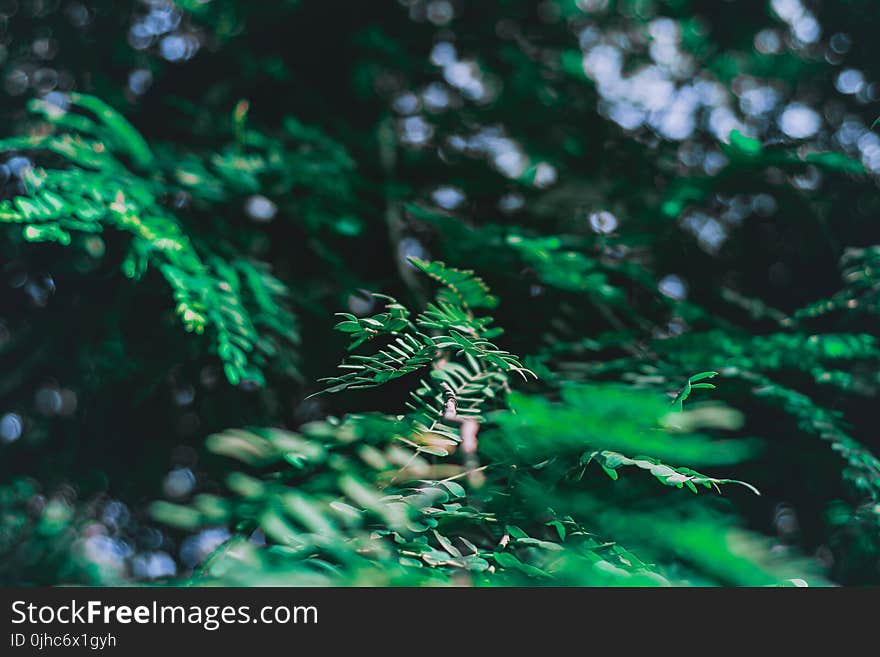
<point>861,290</point>
<point>600,417</point>
<point>452,327</point>
<point>470,389</point>
<point>393,321</point>
<point>863,468</point>
<point>461,287</point>
<point>401,356</point>
<point>95,189</point>
<point>610,462</point>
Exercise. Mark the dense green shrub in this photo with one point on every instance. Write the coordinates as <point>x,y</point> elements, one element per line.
<point>666,206</point>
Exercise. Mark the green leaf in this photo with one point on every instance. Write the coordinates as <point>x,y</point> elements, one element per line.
<point>746,146</point>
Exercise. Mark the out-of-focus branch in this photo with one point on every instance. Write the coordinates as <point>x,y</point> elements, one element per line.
<point>468,429</point>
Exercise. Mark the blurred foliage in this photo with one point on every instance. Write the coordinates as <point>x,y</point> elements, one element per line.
<point>667,206</point>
